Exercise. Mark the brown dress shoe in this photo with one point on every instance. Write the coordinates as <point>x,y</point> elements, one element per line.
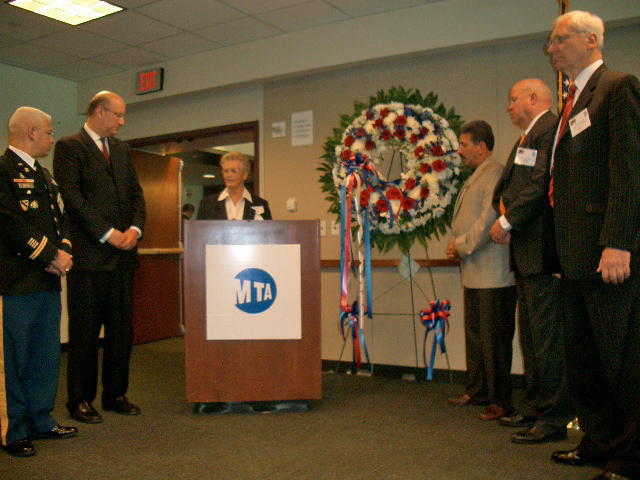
<point>464,400</point>
<point>492,412</point>
<point>85,413</point>
<point>121,405</point>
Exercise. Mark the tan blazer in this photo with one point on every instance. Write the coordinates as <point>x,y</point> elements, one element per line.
<point>484,264</point>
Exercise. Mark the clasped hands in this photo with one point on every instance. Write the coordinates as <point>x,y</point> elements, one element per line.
<point>123,241</point>
<point>61,264</point>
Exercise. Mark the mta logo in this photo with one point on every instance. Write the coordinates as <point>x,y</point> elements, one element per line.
<point>255,290</point>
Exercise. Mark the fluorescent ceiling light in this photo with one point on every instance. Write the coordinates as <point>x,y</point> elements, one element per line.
<point>73,12</point>
<point>208,175</point>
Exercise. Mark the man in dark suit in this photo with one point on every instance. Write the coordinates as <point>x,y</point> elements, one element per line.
<point>106,213</point>
<point>34,254</point>
<point>522,204</point>
<point>595,191</point>
<point>234,202</point>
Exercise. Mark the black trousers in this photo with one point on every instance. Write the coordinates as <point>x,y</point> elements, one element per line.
<point>96,299</point>
<point>542,342</point>
<point>602,347</point>
<point>489,326</point>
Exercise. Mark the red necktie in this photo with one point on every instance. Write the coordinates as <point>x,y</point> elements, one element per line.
<point>568,105</point>
<point>105,150</point>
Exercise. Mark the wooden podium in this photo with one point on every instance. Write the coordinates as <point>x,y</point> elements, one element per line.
<point>252,370</point>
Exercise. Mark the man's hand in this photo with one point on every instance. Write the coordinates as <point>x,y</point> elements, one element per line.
<point>499,234</point>
<point>452,251</point>
<point>116,238</point>
<point>130,239</point>
<point>123,241</point>
<point>61,264</point>
<point>615,265</point>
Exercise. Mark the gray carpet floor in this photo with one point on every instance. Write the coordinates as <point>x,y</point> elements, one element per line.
<point>364,428</point>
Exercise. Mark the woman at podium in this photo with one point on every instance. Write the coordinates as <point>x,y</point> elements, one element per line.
<point>234,202</point>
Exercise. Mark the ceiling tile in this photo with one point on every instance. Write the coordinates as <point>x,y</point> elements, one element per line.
<point>301,16</point>
<point>190,15</point>
<point>18,23</point>
<point>7,41</point>
<point>130,27</point>
<point>180,45</point>
<point>129,4</point>
<point>80,43</point>
<point>82,70</point>
<point>130,58</point>
<point>238,31</point>
<point>252,6</point>
<point>34,56</point>
<point>359,8</point>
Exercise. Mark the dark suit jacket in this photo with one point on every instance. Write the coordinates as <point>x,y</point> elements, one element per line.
<point>98,198</point>
<point>597,176</point>
<point>31,231</point>
<point>524,192</point>
<point>212,209</point>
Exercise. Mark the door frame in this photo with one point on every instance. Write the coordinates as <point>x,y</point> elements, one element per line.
<point>236,133</point>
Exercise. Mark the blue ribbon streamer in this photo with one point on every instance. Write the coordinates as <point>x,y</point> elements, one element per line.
<point>435,318</point>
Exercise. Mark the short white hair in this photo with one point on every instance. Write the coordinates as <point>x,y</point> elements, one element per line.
<point>24,118</point>
<point>586,22</point>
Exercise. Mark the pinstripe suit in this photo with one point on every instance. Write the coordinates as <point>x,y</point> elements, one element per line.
<point>524,192</point>
<point>597,205</point>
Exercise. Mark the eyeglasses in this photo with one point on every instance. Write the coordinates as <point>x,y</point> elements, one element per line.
<point>119,115</point>
<point>230,170</point>
<point>560,39</point>
<point>46,132</point>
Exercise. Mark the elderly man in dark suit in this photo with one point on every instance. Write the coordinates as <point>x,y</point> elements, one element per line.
<point>106,213</point>
<point>34,254</point>
<point>234,202</point>
<point>522,203</point>
<point>595,192</point>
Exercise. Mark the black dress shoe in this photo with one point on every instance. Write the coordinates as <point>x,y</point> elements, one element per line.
<point>539,434</point>
<point>577,458</point>
<point>21,448</point>
<point>518,421</point>
<point>121,405</point>
<point>85,413</point>
<point>57,432</point>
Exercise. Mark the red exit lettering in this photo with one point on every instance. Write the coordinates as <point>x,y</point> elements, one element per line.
<point>147,81</point>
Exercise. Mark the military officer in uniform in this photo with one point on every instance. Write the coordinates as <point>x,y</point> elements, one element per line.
<point>34,254</point>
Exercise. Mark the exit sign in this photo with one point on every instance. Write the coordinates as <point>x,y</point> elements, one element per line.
<point>149,81</point>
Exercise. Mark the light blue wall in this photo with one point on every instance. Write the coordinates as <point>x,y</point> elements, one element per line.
<point>57,97</point>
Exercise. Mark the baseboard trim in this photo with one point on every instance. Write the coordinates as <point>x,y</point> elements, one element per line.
<point>457,377</point>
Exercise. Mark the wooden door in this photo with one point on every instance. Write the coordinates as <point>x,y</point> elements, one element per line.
<point>157,302</point>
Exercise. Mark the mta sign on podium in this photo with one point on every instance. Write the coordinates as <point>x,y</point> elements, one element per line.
<point>253,292</point>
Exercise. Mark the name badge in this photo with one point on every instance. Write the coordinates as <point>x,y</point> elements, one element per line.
<point>526,157</point>
<point>24,182</point>
<point>579,122</point>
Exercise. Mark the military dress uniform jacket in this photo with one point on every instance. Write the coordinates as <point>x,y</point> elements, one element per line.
<point>32,227</point>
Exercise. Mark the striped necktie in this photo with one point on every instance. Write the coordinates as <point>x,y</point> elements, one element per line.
<point>566,111</point>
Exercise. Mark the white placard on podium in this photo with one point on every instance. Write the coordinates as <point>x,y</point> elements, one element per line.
<point>253,292</point>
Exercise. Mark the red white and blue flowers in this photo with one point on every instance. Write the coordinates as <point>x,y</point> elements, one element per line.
<point>422,198</point>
